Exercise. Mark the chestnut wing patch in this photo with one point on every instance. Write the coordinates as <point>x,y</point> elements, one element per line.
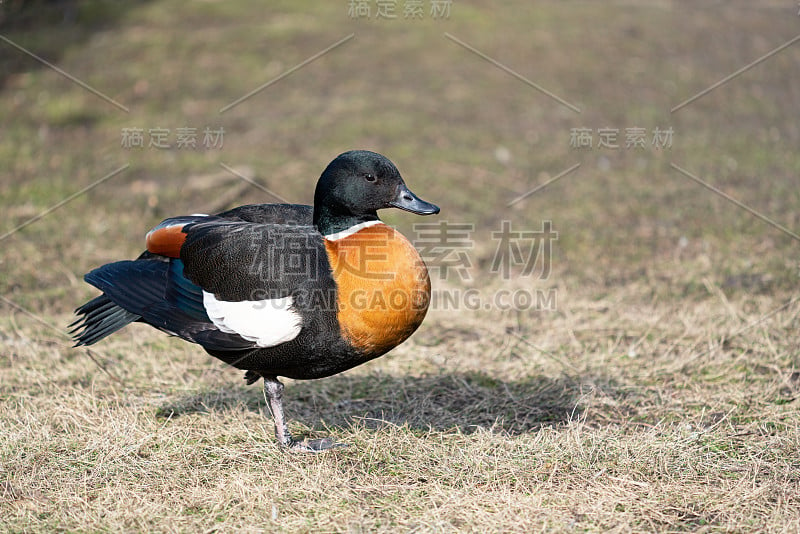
<point>167,238</point>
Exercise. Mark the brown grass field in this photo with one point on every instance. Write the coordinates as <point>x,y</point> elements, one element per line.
<point>662,392</point>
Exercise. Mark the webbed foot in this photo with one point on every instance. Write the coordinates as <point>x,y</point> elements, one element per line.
<point>315,445</point>
<point>273,392</point>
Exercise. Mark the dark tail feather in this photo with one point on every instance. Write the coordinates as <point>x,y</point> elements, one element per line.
<point>97,319</point>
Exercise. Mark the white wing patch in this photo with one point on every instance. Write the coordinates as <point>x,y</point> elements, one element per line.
<point>265,322</point>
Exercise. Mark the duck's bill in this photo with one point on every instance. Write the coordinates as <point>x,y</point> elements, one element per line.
<point>408,201</point>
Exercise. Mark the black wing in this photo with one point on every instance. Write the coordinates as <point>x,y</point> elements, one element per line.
<point>239,261</point>
<point>292,214</point>
<point>157,293</point>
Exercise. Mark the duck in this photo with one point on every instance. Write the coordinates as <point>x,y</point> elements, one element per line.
<point>278,290</point>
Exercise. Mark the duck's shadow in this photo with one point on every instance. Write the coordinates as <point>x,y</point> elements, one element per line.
<point>463,401</point>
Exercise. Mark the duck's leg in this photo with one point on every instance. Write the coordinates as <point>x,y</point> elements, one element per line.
<point>273,393</point>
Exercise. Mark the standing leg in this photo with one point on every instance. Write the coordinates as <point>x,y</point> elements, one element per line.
<point>273,393</point>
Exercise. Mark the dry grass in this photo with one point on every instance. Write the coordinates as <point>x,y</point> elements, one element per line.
<point>661,395</point>
<point>630,434</point>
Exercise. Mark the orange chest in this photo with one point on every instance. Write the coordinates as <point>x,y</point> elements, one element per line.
<point>383,288</point>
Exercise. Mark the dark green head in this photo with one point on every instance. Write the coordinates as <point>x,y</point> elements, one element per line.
<point>355,186</point>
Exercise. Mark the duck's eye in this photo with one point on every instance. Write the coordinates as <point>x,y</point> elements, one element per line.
<point>370,177</point>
